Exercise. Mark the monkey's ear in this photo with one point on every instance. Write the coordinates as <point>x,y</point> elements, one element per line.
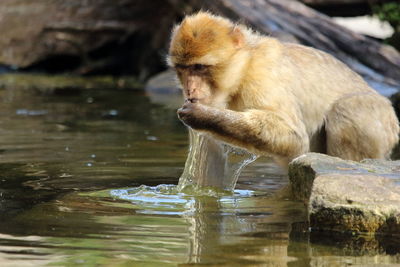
<point>237,37</point>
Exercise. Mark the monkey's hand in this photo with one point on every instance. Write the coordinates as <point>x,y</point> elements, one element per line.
<point>194,115</point>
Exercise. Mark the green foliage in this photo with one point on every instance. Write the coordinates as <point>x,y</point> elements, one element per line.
<point>389,12</point>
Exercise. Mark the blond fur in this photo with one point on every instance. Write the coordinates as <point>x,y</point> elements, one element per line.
<point>277,98</point>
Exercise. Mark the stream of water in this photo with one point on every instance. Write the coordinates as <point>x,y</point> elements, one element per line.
<point>211,163</point>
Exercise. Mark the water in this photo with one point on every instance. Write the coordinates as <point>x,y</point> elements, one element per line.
<point>211,163</point>
<point>90,179</point>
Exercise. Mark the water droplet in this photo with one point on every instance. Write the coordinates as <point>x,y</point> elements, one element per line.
<point>65,175</point>
<point>113,112</point>
<point>27,112</point>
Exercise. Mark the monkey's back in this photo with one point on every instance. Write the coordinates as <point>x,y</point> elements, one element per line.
<point>318,81</point>
<point>310,82</point>
<point>326,84</point>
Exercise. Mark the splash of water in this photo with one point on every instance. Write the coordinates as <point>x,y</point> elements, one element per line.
<point>211,163</point>
<point>165,199</point>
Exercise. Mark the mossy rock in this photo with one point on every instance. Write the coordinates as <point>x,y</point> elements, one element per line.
<point>55,83</point>
<point>348,196</point>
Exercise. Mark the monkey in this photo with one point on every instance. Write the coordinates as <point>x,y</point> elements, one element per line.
<point>274,98</point>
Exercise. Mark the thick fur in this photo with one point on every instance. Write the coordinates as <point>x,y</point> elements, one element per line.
<point>275,98</point>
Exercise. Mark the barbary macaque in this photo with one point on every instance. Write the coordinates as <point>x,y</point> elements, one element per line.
<point>274,98</point>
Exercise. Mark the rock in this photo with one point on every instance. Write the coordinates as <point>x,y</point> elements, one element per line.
<point>86,36</point>
<point>348,196</point>
<point>163,83</point>
<point>163,89</point>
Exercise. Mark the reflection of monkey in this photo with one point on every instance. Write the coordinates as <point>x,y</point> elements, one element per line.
<point>276,98</point>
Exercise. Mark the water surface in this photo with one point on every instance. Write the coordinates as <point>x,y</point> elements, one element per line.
<point>89,178</point>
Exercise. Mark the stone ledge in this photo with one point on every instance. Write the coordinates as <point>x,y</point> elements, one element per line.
<point>348,196</point>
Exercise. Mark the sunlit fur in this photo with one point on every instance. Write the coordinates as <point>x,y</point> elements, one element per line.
<point>278,99</point>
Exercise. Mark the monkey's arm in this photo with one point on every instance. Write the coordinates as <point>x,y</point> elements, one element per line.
<point>260,131</point>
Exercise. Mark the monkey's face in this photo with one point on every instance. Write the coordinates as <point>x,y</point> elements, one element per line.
<point>201,49</point>
<point>196,82</point>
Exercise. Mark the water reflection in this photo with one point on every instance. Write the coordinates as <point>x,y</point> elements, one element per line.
<point>229,236</point>
<point>222,228</point>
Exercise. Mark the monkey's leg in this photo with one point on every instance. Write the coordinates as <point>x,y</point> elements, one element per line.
<point>361,126</point>
<point>260,131</point>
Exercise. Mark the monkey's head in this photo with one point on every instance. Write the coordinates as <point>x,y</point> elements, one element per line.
<point>201,51</point>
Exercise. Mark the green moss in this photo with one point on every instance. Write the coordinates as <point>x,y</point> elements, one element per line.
<point>390,12</point>
<point>51,83</point>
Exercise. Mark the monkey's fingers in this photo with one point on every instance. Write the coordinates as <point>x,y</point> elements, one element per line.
<point>191,114</point>
<point>188,105</point>
<point>186,115</point>
<point>182,112</point>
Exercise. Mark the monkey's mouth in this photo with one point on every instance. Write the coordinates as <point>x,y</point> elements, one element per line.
<point>196,100</point>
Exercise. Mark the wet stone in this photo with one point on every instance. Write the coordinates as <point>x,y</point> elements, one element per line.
<point>348,196</point>
<point>163,89</point>
<point>163,83</point>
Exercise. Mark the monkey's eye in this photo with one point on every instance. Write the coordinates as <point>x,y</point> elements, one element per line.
<point>180,67</point>
<point>199,67</point>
